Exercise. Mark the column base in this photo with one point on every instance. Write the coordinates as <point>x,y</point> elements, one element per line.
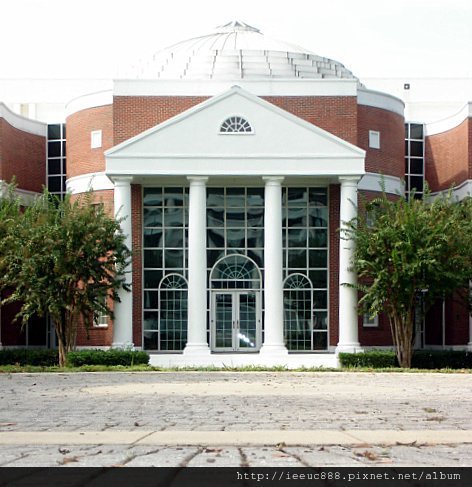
<point>354,347</point>
<point>273,350</point>
<point>197,349</point>
<point>123,345</point>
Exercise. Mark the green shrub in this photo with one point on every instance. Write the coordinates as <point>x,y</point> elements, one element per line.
<point>108,357</point>
<point>29,356</point>
<point>377,359</point>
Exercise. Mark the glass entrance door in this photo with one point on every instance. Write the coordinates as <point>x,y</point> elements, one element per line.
<point>236,321</point>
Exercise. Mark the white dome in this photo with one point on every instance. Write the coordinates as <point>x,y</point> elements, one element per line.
<point>238,51</point>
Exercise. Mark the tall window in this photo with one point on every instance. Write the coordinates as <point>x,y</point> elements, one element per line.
<point>56,156</point>
<point>414,159</point>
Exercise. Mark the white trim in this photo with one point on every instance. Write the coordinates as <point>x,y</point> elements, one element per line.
<point>91,100</point>
<point>374,139</point>
<point>377,99</point>
<point>459,192</point>
<point>450,122</point>
<point>279,87</point>
<point>96,181</point>
<point>95,139</point>
<point>373,182</point>
<point>26,197</point>
<point>22,123</point>
<point>370,324</point>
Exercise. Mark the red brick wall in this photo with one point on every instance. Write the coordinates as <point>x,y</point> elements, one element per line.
<point>333,275</point>
<point>137,216</point>
<point>390,158</point>
<point>22,155</point>
<point>335,114</point>
<point>448,157</point>
<point>81,158</point>
<point>135,114</point>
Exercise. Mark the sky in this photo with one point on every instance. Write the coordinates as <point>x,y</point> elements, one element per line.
<point>100,38</point>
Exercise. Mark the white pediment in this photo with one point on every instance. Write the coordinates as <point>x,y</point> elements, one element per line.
<point>191,144</point>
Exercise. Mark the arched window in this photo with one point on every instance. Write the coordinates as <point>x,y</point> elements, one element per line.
<point>298,312</point>
<point>173,312</point>
<point>235,272</point>
<point>236,125</point>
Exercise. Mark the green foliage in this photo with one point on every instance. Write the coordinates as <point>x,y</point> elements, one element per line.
<point>28,356</point>
<point>65,258</point>
<point>422,359</point>
<point>406,250</point>
<point>376,359</point>
<point>108,357</point>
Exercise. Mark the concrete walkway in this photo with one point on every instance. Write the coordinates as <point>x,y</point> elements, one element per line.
<point>234,419</point>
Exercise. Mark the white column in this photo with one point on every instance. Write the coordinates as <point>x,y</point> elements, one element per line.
<point>123,322</point>
<point>197,269</point>
<point>348,318</point>
<point>273,282</point>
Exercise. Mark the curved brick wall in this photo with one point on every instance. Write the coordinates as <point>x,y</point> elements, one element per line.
<point>23,156</point>
<point>448,157</point>
<point>390,158</point>
<point>81,158</point>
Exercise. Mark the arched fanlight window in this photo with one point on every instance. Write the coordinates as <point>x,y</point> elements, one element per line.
<point>173,307</point>
<point>235,272</point>
<point>236,125</point>
<point>298,312</point>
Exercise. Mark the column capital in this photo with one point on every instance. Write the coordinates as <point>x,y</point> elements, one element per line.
<point>122,180</point>
<point>197,180</point>
<point>349,180</point>
<point>273,180</point>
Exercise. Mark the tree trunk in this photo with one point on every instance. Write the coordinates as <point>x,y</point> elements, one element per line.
<point>402,334</point>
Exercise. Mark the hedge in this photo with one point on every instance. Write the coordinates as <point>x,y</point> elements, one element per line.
<point>422,359</point>
<point>109,357</point>
<point>29,356</point>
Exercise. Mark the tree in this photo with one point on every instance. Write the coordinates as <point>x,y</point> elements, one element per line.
<point>65,258</point>
<point>407,249</point>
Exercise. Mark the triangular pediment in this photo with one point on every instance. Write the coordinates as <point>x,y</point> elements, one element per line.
<point>192,143</point>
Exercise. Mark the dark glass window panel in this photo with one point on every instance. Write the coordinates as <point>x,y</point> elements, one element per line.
<point>296,217</point>
<point>174,217</point>
<point>152,217</point>
<point>297,237</point>
<point>151,299</point>
<point>318,197</point>
<point>55,184</point>
<point>152,196</point>
<point>63,130</point>
<point>64,185</point>
<point>213,256</point>
<point>153,258</point>
<point>173,197</point>
<point>320,299</point>
<point>235,197</point>
<point>407,148</point>
<point>54,131</point>
<point>407,184</point>
<point>150,320</point>
<point>318,238</point>
<point>63,149</point>
<point>318,258</point>
<point>153,237</point>
<point>215,238</point>
<point>318,217</point>
<point>152,279</point>
<point>215,197</point>
<point>416,131</point>
<point>174,258</point>
<point>416,149</point>
<point>255,217</point>
<point>150,340</point>
<point>320,320</point>
<point>416,166</point>
<point>297,259</point>
<point>257,256</point>
<point>215,217</point>
<point>54,149</point>
<point>235,217</point>
<point>418,196</point>
<point>416,182</point>
<point>54,166</point>
<point>406,131</point>
<point>319,279</point>
<point>235,237</point>
<point>37,332</point>
<point>174,237</point>
<point>255,237</point>
<point>296,196</point>
<point>407,168</point>
<point>255,197</point>
<point>64,165</point>
<point>320,340</point>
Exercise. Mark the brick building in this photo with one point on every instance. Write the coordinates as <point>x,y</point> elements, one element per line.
<point>234,159</point>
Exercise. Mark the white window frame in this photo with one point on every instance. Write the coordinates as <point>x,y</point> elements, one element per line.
<point>370,322</point>
<point>374,139</point>
<point>95,139</point>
